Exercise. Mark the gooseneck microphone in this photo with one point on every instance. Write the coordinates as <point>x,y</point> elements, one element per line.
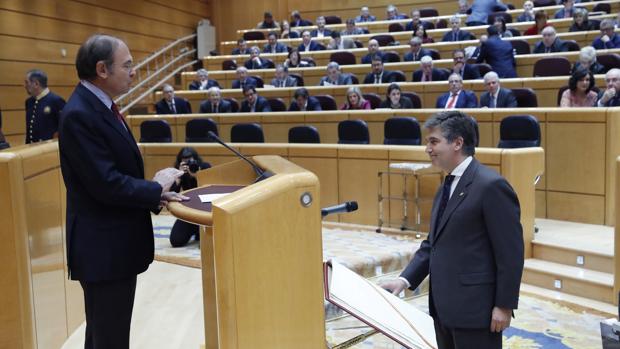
<point>262,174</point>
<point>348,206</point>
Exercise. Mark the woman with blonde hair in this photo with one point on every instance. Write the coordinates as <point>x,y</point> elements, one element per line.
<point>355,100</point>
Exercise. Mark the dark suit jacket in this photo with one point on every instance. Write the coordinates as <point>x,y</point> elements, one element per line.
<point>326,33</point>
<point>248,81</point>
<point>595,68</point>
<point>279,48</point>
<point>236,51</point>
<point>289,82</point>
<point>405,103</point>
<point>505,99</point>
<point>195,85</point>
<point>301,23</point>
<point>467,99</point>
<point>438,75</point>
<point>313,47</point>
<point>262,105</point>
<point>408,57</point>
<point>475,254</point>
<point>462,35</point>
<point>470,72</point>
<point>613,43</point>
<point>557,46</point>
<point>264,64</point>
<point>385,78</point>
<point>223,107</point>
<point>109,230</point>
<point>343,79</point>
<point>42,120</point>
<point>367,59</point>
<point>180,104</point>
<point>313,105</point>
<point>499,55</point>
<point>409,26</point>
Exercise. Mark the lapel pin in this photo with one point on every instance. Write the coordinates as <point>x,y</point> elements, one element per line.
<point>461,194</point>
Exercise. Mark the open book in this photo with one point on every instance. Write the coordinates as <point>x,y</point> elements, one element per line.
<point>378,308</point>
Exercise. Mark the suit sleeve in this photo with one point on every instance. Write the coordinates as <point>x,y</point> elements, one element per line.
<point>419,266</point>
<point>472,100</point>
<point>158,108</point>
<point>483,54</point>
<point>511,100</point>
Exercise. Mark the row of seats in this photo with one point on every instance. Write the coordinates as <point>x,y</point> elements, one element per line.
<point>516,131</point>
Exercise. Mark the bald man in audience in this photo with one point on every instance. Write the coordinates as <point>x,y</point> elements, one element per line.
<point>373,50</point>
<point>171,104</point>
<point>608,39</point>
<point>416,51</point>
<point>495,95</point>
<point>215,103</point>
<point>611,96</point>
<point>456,97</point>
<point>550,42</point>
<point>427,72</point>
<point>202,81</point>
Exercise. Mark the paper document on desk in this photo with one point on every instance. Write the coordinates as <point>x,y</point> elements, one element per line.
<point>210,197</point>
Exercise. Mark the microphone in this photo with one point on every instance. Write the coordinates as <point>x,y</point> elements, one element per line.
<point>262,174</point>
<point>348,206</point>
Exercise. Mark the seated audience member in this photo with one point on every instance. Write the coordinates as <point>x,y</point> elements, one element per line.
<point>495,95</point>
<point>202,81</point>
<point>456,97</point>
<point>566,11</point>
<point>335,76</point>
<point>273,45</point>
<point>294,60</point>
<point>171,104</point>
<point>528,12</point>
<point>373,50</point>
<point>268,22</point>
<point>297,21</point>
<point>550,42</point>
<point>255,62</point>
<point>243,79</point>
<point>587,60</point>
<point>416,51</point>
<point>339,43</point>
<point>320,31</point>
<point>611,96</point>
<point>579,92</point>
<point>481,9</point>
<point>456,34</point>
<point>378,75</point>
<point>365,16</point>
<point>580,21</point>
<point>282,78</point>
<point>498,54</point>
<point>540,19</point>
<point>304,102</point>
<point>189,162</point>
<point>416,21</point>
<point>351,28</point>
<point>464,7</point>
<point>421,33</point>
<point>427,72</point>
<point>500,23</point>
<point>395,100</point>
<point>286,32</point>
<point>253,103</point>
<point>215,103</point>
<point>393,14</point>
<point>355,100</point>
<point>608,39</point>
<point>241,49</point>
<point>307,44</point>
<point>466,71</point>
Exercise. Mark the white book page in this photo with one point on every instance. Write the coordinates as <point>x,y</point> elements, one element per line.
<point>210,197</point>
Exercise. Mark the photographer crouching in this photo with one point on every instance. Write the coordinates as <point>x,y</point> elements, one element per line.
<point>189,162</point>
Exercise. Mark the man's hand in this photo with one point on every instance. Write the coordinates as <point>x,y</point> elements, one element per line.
<point>605,38</point>
<point>608,94</point>
<point>500,319</point>
<point>483,38</point>
<point>166,177</point>
<point>396,286</point>
<point>457,68</point>
<point>171,196</point>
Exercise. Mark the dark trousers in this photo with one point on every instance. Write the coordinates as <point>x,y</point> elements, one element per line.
<point>109,305</point>
<point>182,231</point>
<point>466,338</point>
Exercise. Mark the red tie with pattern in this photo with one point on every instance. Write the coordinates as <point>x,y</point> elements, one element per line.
<point>450,104</point>
<point>118,115</point>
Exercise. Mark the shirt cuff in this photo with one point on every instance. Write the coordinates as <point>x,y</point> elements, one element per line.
<point>406,281</point>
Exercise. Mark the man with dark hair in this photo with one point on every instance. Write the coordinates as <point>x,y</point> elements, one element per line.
<point>466,71</point>
<point>474,249</point>
<point>304,102</point>
<point>337,42</point>
<point>253,102</point>
<point>273,45</point>
<point>320,31</point>
<point>109,229</point>
<point>297,21</point>
<point>267,22</point>
<point>495,95</point>
<point>307,44</point>
<point>241,49</point>
<point>457,97</point>
<point>498,54</point>
<point>378,75</point>
<point>171,104</point>
<point>43,108</point>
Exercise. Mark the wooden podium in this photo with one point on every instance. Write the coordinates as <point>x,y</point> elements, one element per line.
<point>261,251</point>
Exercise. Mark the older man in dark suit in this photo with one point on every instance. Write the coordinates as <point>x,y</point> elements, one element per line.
<point>215,103</point>
<point>474,250</point>
<point>495,95</point>
<point>243,79</point>
<point>550,42</point>
<point>109,230</point>
<point>427,72</point>
<point>498,54</point>
<point>611,96</point>
<point>456,34</point>
<point>171,104</point>
<point>416,51</point>
<point>335,76</point>
<point>457,97</point>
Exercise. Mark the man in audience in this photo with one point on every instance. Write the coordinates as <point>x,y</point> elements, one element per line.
<point>378,74</point>
<point>171,104</point>
<point>43,108</point>
<point>566,11</point>
<point>611,96</point>
<point>427,72</point>
<point>268,22</point>
<point>416,51</point>
<point>495,95</point>
<point>202,81</point>
<point>282,78</point>
<point>241,49</point>
<point>320,31</point>
<point>416,22</point>
<point>365,16</point>
<point>255,62</point>
<point>243,79</point>
<point>481,9</point>
<point>215,103</point>
<point>456,34</point>
<point>498,54</point>
<point>307,44</point>
<point>466,71</point>
<point>351,28</point>
<point>456,97</point>
<point>528,12</point>
<point>464,7</point>
<point>608,39</point>
<point>253,102</point>
<point>273,45</point>
<point>550,42</point>
<point>393,14</point>
<point>373,50</point>
<point>339,43</point>
<point>335,76</point>
<point>297,21</point>
<point>304,102</point>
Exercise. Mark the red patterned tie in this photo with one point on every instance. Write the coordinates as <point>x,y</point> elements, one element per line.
<point>118,115</point>
<point>450,104</point>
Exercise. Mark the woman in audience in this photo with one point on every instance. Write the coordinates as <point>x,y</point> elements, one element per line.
<point>541,22</point>
<point>580,21</point>
<point>421,33</point>
<point>355,100</point>
<point>500,24</point>
<point>189,162</point>
<point>587,60</point>
<point>579,92</point>
<point>395,100</point>
<point>294,60</point>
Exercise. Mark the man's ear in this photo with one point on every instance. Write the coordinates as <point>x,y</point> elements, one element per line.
<point>102,70</point>
<point>458,143</point>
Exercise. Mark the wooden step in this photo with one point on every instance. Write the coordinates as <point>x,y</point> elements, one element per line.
<point>581,282</point>
<point>572,256</point>
<point>576,303</point>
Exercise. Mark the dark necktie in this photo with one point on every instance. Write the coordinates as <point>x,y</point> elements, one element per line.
<point>492,103</point>
<point>118,115</point>
<point>455,36</point>
<point>377,79</point>
<point>445,196</point>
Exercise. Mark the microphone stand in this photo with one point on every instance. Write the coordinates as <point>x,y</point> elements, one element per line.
<point>261,174</point>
